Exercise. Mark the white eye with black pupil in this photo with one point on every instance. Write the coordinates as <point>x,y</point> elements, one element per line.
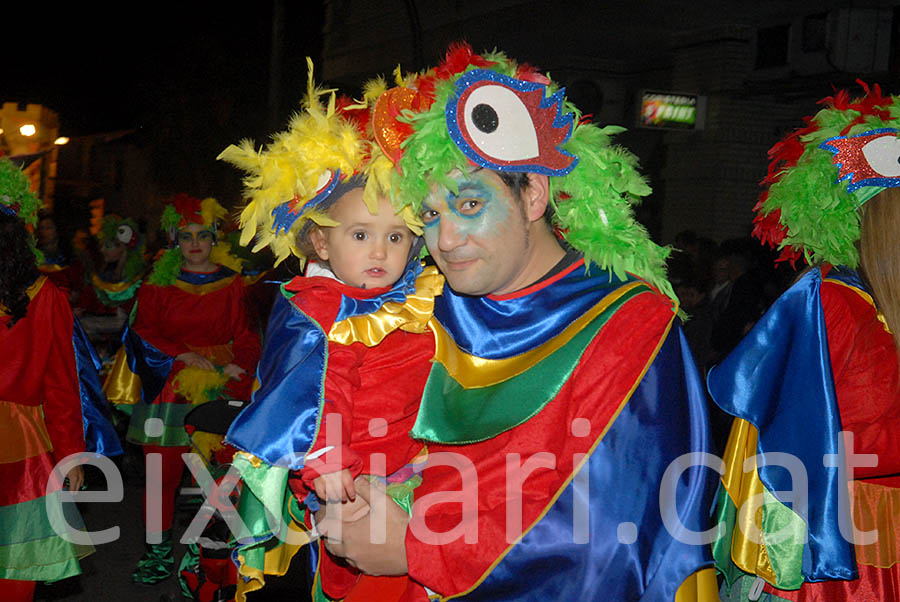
<point>883,156</point>
<point>499,124</point>
<point>124,234</point>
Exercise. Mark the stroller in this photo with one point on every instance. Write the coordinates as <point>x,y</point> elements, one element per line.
<point>207,573</point>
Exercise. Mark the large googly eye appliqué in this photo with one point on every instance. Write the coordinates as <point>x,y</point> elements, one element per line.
<point>507,124</point>
<point>499,125</point>
<point>124,233</point>
<point>868,159</point>
<point>883,155</point>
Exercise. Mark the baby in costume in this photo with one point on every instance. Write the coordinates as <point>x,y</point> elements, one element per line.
<point>347,349</point>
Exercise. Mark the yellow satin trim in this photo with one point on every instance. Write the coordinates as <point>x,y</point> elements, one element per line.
<point>203,289</point>
<point>411,316</point>
<point>699,587</point>
<point>49,268</point>
<point>31,291</point>
<point>877,507</point>
<point>741,486</point>
<point>122,386</point>
<point>473,372</point>
<point>23,432</point>
<point>111,287</point>
<point>868,298</point>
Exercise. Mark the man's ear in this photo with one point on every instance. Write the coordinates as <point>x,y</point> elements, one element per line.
<point>536,196</point>
<point>319,242</point>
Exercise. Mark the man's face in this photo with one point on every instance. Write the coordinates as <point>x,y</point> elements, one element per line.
<point>479,237</point>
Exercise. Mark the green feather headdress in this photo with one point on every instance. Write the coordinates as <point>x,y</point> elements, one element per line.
<point>17,199</point>
<point>592,203</point>
<point>809,208</point>
<point>111,230</point>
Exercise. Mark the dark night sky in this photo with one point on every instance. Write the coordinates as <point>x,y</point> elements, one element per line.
<point>122,67</point>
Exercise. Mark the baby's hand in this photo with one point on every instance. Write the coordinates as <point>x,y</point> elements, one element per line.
<point>335,486</point>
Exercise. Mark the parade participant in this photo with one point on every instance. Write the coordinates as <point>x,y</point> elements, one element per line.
<point>190,342</point>
<point>60,263</point>
<point>106,301</point>
<point>50,405</point>
<point>549,352</point>
<point>346,347</point>
<point>818,374</point>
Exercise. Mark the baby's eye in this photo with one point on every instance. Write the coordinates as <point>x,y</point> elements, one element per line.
<point>395,237</point>
<point>360,235</point>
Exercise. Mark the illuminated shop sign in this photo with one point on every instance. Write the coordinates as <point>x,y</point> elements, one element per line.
<point>672,111</point>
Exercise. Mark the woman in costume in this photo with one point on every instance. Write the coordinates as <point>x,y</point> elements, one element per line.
<point>344,340</point>
<point>49,404</point>
<point>817,377</point>
<point>190,342</point>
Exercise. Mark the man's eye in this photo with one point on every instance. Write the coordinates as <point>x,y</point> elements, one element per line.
<point>359,235</point>
<point>469,206</point>
<point>429,215</point>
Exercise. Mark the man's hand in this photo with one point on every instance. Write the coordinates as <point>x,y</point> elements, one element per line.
<point>355,541</point>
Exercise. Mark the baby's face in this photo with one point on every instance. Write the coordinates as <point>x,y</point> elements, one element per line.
<point>364,250</point>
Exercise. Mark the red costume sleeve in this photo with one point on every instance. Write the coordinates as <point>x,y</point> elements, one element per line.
<point>341,381</point>
<point>62,403</point>
<point>865,367</point>
<point>151,311</point>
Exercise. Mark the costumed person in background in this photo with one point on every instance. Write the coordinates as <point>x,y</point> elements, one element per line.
<point>190,342</point>
<point>549,352</point>
<point>818,374</point>
<point>347,349</point>
<point>50,406</point>
<point>60,263</point>
<point>105,303</point>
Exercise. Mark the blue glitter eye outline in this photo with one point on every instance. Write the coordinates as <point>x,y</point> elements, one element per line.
<point>284,218</point>
<point>561,120</point>
<point>881,181</point>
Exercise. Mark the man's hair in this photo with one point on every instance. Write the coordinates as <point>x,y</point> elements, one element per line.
<point>517,181</point>
<point>17,266</point>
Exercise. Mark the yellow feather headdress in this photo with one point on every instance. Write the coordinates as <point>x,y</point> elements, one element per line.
<point>291,176</point>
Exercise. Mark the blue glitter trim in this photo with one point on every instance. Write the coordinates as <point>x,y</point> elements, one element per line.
<point>560,121</point>
<point>285,218</point>
<point>8,210</point>
<point>881,182</point>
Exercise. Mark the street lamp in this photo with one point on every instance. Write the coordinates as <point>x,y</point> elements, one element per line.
<point>27,129</point>
<point>61,140</point>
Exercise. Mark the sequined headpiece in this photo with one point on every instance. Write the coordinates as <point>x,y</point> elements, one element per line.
<point>289,180</point>
<point>820,175</point>
<point>489,111</point>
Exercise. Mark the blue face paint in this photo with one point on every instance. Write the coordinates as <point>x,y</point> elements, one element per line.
<point>479,209</point>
